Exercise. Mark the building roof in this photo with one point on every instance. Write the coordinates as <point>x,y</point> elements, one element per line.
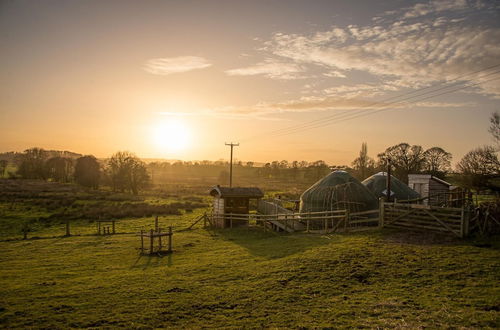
<point>377,184</point>
<point>249,192</point>
<point>429,177</point>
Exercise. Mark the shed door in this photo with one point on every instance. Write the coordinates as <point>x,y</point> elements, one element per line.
<point>419,187</point>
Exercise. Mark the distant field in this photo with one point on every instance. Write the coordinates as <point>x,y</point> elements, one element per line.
<point>241,277</point>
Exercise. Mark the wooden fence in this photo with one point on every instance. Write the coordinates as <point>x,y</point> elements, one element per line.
<point>424,217</point>
<point>318,222</point>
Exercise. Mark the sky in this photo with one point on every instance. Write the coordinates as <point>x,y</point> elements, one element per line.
<point>288,80</point>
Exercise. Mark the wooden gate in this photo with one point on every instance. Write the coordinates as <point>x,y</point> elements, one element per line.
<point>416,216</point>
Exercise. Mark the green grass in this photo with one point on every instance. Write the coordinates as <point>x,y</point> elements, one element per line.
<point>240,278</point>
<point>248,278</point>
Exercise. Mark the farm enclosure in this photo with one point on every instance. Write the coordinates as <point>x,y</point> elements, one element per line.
<point>244,277</point>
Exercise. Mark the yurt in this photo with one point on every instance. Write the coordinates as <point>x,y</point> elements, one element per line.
<point>337,191</point>
<point>377,184</point>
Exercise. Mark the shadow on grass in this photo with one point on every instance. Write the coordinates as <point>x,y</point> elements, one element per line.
<point>272,245</point>
<point>415,237</point>
<point>146,261</point>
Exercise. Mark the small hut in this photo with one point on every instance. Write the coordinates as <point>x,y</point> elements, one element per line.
<point>377,184</point>
<point>336,191</point>
<point>430,187</point>
<point>234,200</point>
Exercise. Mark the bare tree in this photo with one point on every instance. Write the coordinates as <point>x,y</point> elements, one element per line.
<point>127,172</point>
<point>59,168</point>
<point>363,165</point>
<point>437,162</point>
<point>405,158</point>
<point>3,167</point>
<point>495,127</point>
<point>32,163</point>
<point>478,167</point>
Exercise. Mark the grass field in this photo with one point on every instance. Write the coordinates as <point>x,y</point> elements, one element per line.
<point>246,278</point>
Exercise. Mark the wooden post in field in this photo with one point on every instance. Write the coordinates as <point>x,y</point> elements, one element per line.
<point>156,223</point>
<point>159,239</point>
<point>67,228</point>
<point>381,212</point>
<point>307,225</point>
<point>170,239</point>
<point>151,233</point>
<point>142,241</point>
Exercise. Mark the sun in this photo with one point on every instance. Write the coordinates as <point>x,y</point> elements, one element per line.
<point>171,135</point>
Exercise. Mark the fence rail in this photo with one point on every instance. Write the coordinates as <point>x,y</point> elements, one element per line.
<point>424,217</point>
<point>323,222</point>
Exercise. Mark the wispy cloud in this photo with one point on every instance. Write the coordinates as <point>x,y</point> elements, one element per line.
<point>270,68</point>
<point>406,53</point>
<point>166,66</point>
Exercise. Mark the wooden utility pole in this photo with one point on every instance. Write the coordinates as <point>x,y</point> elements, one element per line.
<point>231,163</point>
<point>388,179</point>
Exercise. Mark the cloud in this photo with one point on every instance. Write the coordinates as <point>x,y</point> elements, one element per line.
<point>270,68</point>
<point>166,66</point>
<point>402,54</point>
<point>422,9</point>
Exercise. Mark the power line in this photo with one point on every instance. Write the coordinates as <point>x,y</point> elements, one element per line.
<point>351,112</point>
<point>348,113</point>
<point>331,121</point>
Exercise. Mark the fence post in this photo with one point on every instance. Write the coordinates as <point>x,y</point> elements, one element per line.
<point>464,223</point>
<point>142,241</point>
<point>381,212</point>
<point>307,226</point>
<point>346,222</point>
<point>67,228</point>
<point>151,241</point>
<point>170,239</point>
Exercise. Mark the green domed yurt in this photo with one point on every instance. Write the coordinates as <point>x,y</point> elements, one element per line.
<point>337,191</point>
<point>377,184</point>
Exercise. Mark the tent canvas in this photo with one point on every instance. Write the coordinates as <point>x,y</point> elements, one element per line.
<point>338,190</point>
<point>377,184</point>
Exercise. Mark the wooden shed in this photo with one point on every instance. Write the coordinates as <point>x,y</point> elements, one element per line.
<point>434,189</point>
<point>234,200</point>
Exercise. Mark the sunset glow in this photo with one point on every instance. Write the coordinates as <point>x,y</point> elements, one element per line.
<point>171,136</point>
<point>304,74</point>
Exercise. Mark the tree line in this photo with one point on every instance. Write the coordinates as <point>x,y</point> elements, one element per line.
<point>123,171</point>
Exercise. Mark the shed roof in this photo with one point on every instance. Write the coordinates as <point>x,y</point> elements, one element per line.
<point>428,177</point>
<point>250,192</point>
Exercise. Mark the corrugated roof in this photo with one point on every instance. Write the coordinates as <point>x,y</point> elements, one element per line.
<point>250,192</point>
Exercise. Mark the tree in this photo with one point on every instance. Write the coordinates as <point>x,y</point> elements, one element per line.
<point>495,127</point>
<point>32,164</point>
<point>405,158</point>
<point>87,172</point>
<point>478,166</point>
<point>3,167</point>
<point>127,172</point>
<point>59,168</point>
<point>363,165</point>
<point>437,162</point>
